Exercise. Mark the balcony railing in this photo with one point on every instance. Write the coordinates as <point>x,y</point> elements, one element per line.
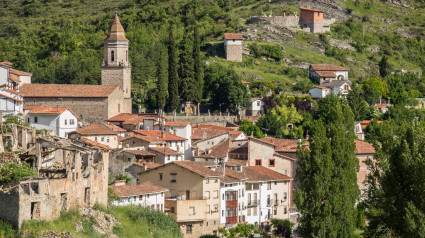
<point>253,203</point>
<point>231,220</point>
<point>232,203</point>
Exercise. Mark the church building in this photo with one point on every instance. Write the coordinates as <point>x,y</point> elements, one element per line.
<point>92,103</point>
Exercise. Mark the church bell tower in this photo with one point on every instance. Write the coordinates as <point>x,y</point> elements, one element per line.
<point>116,69</point>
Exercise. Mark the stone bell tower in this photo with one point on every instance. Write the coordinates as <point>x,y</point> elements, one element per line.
<point>116,69</point>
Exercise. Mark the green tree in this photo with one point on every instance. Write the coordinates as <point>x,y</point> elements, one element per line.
<point>173,77</point>
<point>161,82</point>
<point>384,67</point>
<point>199,77</point>
<point>282,228</point>
<point>394,202</point>
<point>374,88</point>
<point>276,122</point>
<point>224,88</point>
<point>327,176</point>
<point>188,87</point>
<point>249,128</point>
<point>396,91</point>
<point>14,171</point>
<point>358,105</point>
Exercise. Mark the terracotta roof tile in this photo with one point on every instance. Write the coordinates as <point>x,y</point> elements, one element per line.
<point>116,31</point>
<point>205,133</point>
<point>310,9</point>
<point>121,117</point>
<point>14,77</point>
<point>245,82</point>
<point>164,151</point>
<point>322,87</point>
<point>236,162</point>
<point>149,165</point>
<point>48,110</point>
<point>128,191</point>
<point>218,151</point>
<point>326,74</point>
<point>114,127</point>
<point>95,129</point>
<point>176,123</point>
<point>67,90</point>
<point>261,173</point>
<point>163,135</point>
<point>94,143</point>
<point>233,36</point>
<point>199,168</point>
<point>364,147</point>
<point>328,67</point>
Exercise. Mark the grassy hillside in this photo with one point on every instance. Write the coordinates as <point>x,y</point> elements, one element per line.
<point>61,41</point>
<point>132,222</point>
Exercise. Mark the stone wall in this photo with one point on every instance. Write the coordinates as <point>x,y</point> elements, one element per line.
<point>207,120</point>
<point>89,110</point>
<point>234,53</point>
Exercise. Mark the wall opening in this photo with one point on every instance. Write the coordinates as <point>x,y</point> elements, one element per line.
<point>35,210</point>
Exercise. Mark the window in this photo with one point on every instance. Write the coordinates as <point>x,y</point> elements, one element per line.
<point>346,87</point>
<point>222,213</point>
<point>255,211</point>
<point>258,103</point>
<point>275,212</point>
<point>160,177</point>
<point>271,162</point>
<point>249,211</point>
<point>71,121</point>
<point>215,207</point>
<point>135,198</point>
<point>285,196</point>
<point>207,195</point>
<point>107,140</point>
<point>191,210</point>
<point>249,198</point>
<point>208,209</point>
<point>140,197</point>
<point>35,119</point>
<point>112,56</point>
<point>126,55</point>
<point>29,120</point>
<point>128,200</point>
<point>285,210</point>
<point>318,14</point>
<point>66,122</point>
<point>102,138</point>
<point>168,157</point>
<point>119,107</point>
<point>215,193</point>
<point>188,229</point>
<point>95,139</point>
<point>173,178</point>
<point>258,162</point>
<point>269,185</point>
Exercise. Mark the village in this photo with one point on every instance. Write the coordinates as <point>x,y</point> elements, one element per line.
<point>84,142</point>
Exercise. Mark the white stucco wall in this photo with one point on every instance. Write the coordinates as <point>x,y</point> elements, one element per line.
<point>318,92</point>
<point>54,122</point>
<point>144,200</point>
<point>232,42</point>
<point>343,73</point>
<point>4,74</point>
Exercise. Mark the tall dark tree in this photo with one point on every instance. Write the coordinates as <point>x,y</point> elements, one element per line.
<point>395,196</point>
<point>173,77</point>
<point>384,67</point>
<point>187,85</point>
<point>358,105</point>
<point>327,176</point>
<point>199,78</point>
<point>161,82</point>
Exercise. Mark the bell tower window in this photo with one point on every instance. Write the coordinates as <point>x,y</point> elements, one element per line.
<point>112,56</point>
<point>126,55</point>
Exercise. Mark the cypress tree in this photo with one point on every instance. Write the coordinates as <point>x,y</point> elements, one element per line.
<point>327,176</point>
<point>161,83</point>
<point>199,78</point>
<point>173,77</point>
<point>187,75</point>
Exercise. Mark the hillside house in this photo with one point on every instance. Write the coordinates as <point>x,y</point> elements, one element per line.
<point>233,46</point>
<point>311,20</point>
<point>173,142</point>
<point>255,108</point>
<point>145,195</point>
<point>337,87</point>
<point>321,73</point>
<point>97,133</point>
<point>60,120</point>
<point>11,102</point>
<point>194,194</point>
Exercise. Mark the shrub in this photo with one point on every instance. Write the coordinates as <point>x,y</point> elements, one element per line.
<point>14,171</point>
<point>123,177</point>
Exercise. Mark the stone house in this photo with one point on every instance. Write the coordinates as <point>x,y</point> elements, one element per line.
<point>337,87</point>
<point>321,73</point>
<point>174,142</point>
<point>97,133</point>
<point>194,194</point>
<point>233,46</point>
<point>60,120</point>
<point>69,176</point>
<point>165,155</point>
<point>92,103</point>
<point>311,20</point>
<point>145,195</point>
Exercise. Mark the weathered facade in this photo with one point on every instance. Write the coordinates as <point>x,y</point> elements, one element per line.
<point>233,46</point>
<point>69,176</point>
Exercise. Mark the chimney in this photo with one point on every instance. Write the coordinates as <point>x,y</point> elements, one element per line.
<point>175,131</point>
<point>162,134</point>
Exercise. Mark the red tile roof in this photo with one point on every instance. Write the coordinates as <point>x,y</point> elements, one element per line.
<point>236,162</point>
<point>48,110</point>
<point>326,74</point>
<point>94,143</point>
<point>122,117</point>
<point>245,82</point>
<point>364,147</point>
<point>14,71</point>
<point>128,191</point>
<point>67,90</point>
<point>95,129</point>
<point>284,145</point>
<point>163,135</point>
<point>176,123</point>
<point>218,151</point>
<point>149,165</point>
<point>205,133</point>
<point>310,10</point>
<point>233,36</point>
<point>322,87</point>
<point>7,96</point>
<point>261,173</point>
<point>284,157</point>
<point>199,168</point>
<point>328,67</point>
<point>263,140</point>
<point>114,127</point>
<point>164,151</point>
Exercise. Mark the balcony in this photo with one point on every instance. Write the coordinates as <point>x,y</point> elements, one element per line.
<point>253,203</point>
<point>231,220</point>
<point>230,204</point>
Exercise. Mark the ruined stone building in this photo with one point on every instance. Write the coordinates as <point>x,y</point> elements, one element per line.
<point>70,176</point>
<point>92,103</point>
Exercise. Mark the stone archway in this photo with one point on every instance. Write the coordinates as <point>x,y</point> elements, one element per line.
<point>340,77</point>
